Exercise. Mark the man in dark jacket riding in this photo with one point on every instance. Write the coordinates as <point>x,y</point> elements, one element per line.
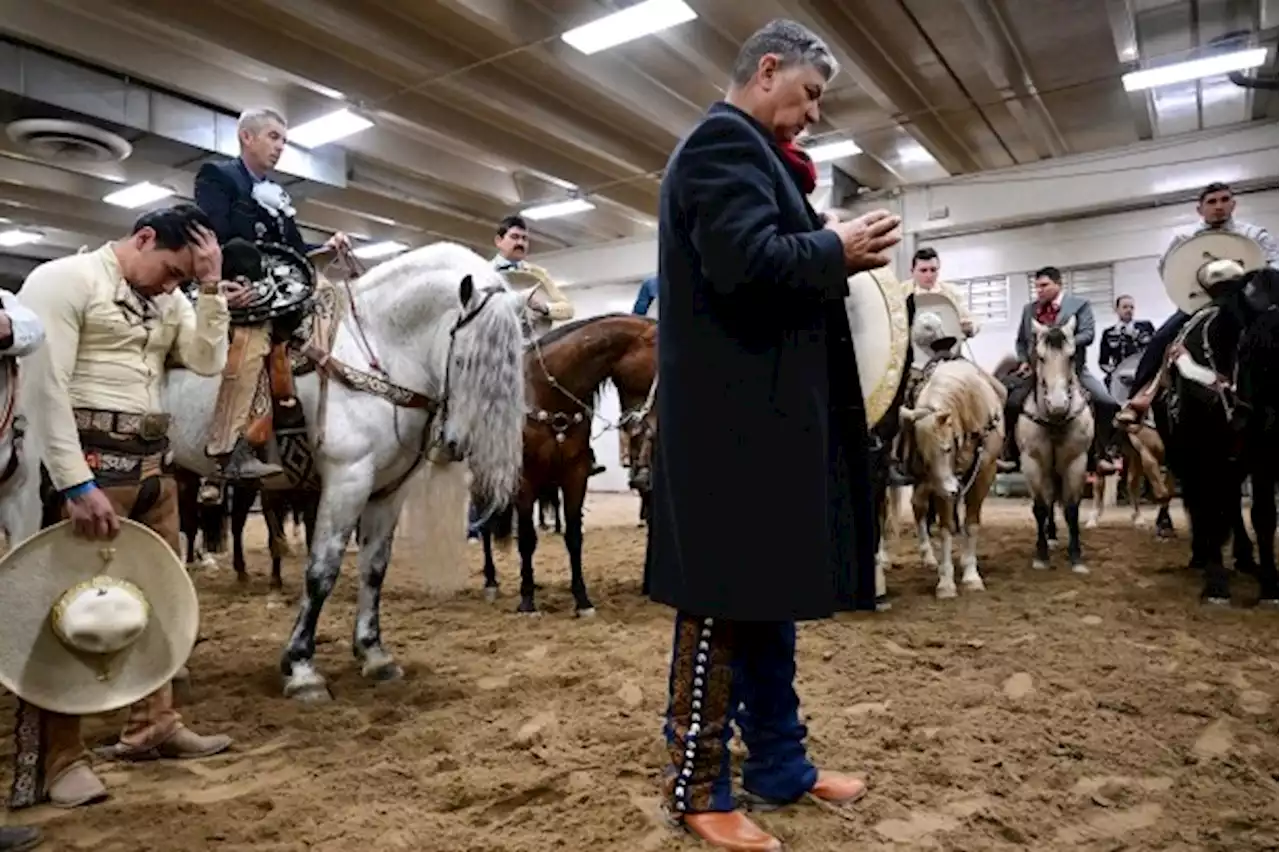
<point>759,400</point>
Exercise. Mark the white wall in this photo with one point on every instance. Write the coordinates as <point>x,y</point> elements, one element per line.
<point>1133,242</point>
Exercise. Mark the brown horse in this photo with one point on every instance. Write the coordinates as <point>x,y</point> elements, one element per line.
<point>565,370</point>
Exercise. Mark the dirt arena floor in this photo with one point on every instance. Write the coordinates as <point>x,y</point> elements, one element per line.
<point>1052,712</point>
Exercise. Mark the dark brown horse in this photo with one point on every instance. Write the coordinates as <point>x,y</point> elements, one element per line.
<point>565,371</point>
<point>209,520</point>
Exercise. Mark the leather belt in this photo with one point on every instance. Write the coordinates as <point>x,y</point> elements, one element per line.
<point>149,427</point>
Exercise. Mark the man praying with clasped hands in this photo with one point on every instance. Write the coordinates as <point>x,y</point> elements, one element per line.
<point>762,414</point>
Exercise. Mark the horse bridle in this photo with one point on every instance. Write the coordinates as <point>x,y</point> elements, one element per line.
<point>442,413</point>
<point>1073,388</point>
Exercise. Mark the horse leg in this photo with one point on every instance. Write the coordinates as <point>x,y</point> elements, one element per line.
<point>1241,545</point>
<point>946,587</point>
<point>490,569</point>
<point>574,495</point>
<point>1163,493</point>
<point>377,531</point>
<point>273,515</point>
<point>1263,514</point>
<point>556,502</point>
<point>241,501</point>
<point>921,505</point>
<point>969,577</point>
<point>345,493</point>
<point>1072,491</point>
<point>526,543</point>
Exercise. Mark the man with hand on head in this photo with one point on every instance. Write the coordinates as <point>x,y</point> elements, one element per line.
<point>113,319</point>
<point>759,400</point>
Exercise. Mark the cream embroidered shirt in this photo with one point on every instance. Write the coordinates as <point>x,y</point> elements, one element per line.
<point>106,348</point>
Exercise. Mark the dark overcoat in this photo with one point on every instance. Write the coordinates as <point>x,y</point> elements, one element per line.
<point>224,191</point>
<point>761,499</point>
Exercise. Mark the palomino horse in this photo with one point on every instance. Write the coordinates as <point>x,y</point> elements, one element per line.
<point>956,427</point>
<point>1054,433</point>
<point>424,361</point>
<point>564,373</point>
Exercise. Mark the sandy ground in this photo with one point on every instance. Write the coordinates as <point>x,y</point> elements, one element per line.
<point>1052,712</point>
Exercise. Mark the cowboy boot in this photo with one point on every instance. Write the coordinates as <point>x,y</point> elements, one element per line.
<point>76,786</point>
<point>732,831</point>
<point>240,465</point>
<point>833,788</point>
<point>19,838</point>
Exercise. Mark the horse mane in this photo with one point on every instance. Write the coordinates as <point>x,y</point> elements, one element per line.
<point>958,387</point>
<point>562,331</point>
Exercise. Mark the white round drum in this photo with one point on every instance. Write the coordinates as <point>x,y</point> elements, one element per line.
<point>877,311</point>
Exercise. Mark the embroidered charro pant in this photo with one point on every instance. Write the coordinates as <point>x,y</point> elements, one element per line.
<point>242,396</point>
<point>725,673</point>
<point>48,744</point>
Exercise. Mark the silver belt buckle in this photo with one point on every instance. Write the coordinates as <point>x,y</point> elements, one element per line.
<point>153,427</point>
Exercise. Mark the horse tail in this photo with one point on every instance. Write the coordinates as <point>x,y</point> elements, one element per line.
<point>213,525</point>
<point>502,525</point>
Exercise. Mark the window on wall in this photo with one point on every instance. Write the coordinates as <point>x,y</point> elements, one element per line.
<point>1095,284</point>
<point>986,298</point>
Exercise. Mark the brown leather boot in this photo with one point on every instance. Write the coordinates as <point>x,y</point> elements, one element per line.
<point>185,744</point>
<point>732,831</point>
<point>838,789</point>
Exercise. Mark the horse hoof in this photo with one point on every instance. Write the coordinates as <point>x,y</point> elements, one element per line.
<point>382,671</point>
<point>1080,568</point>
<point>974,585</point>
<point>883,604</point>
<point>490,594</point>
<point>208,563</point>
<point>1039,564</point>
<point>945,592</point>
<point>589,612</point>
<point>307,689</point>
<point>526,607</point>
<point>1053,542</point>
<point>1091,524</point>
<point>242,577</point>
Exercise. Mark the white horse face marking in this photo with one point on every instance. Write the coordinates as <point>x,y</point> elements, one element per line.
<point>936,441</point>
<point>1055,366</point>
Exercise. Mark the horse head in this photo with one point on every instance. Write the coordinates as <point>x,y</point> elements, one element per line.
<point>935,436</point>
<point>1053,368</point>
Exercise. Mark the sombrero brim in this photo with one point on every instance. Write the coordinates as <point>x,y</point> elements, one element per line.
<point>1182,266</point>
<point>37,667</point>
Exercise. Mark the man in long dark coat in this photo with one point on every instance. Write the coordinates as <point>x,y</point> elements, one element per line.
<point>762,418</point>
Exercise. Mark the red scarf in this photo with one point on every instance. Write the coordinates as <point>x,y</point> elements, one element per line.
<point>802,168</point>
<point>1046,313</point>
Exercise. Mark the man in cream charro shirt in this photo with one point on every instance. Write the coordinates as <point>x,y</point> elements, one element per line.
<point>924,278</point>
<point>112,321</point>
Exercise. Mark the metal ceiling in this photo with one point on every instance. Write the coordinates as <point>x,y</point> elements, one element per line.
<point>481,110</point>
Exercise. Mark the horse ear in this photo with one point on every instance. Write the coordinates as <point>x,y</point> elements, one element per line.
<point>942,418</point>
<point>466,289</point>
<point>1069,327</point>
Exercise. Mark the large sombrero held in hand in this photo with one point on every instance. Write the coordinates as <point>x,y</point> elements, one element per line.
<point>936,318</point>
<point>92,626</point>
<point>1194,267</point>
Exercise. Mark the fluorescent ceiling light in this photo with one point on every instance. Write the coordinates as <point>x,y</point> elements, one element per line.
<point>631,23</point>
<point>19,237</point>
<point>558,208</point>
<point>833,150</point>
<point>138,195</point>
<point>1195,69</point>
<point>373,251</point>
<point>328,128</point>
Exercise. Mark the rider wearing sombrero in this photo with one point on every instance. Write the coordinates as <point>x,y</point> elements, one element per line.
<point>92,397</point>
<point>1216,205</point>
<point>244,204</point>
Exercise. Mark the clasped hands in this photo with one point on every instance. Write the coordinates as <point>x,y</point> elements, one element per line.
<point>866,239</point>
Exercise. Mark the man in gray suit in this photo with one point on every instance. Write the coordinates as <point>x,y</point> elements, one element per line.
<point>1053,307</point>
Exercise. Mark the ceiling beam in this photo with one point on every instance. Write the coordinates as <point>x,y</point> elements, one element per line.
<point>871,66</point>
<point>1124,32</point>
<point>471,122</point>
<point>1002,59</point>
